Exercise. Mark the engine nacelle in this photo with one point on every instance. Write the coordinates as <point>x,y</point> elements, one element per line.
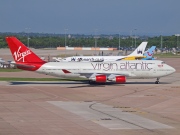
<point>119,79</point>
<point>99,78</point>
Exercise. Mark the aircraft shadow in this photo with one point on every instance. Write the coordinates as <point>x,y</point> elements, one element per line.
<point>97,85</point>
<point>146,83</point>
<point>63,82</point>
<point>45,82</point>
<point>78,82</point>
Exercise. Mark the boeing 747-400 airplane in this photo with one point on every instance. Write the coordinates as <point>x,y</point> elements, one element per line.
<point>136,54</point>
<point>115,71</point>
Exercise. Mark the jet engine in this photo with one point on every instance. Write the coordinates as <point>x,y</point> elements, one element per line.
<point>119,79</point>
<point>99,78</point>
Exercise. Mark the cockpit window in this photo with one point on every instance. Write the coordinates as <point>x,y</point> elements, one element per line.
<point>163,62</point>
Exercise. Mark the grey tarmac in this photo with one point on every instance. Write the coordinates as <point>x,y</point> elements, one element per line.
<point>77,108</point>
<point>140,106</point>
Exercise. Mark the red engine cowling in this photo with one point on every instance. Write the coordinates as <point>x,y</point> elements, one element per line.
<point>100,78</point>
<point>119,79</point>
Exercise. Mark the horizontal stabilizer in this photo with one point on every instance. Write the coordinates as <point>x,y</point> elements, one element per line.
<point>25,66</point>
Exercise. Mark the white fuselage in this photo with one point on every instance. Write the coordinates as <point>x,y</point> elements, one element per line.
<point>138,52</point>
<point>92,58</point>
<point>1,60</point>
<point>132,69</point>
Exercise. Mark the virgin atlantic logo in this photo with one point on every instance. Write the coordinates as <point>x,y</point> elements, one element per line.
<point>21,55</point>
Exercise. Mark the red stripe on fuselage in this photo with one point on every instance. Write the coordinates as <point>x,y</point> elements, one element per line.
<point>65,71</point>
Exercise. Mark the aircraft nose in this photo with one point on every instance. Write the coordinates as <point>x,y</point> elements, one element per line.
<point>172,70</point>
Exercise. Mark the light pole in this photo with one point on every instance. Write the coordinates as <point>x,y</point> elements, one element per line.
<point>28,42</point>
<point>65,36</point>
<point>135,37</point>
<point>119,41</point>
<point>177,35</point>
<point>132,37</point>
<point>95,42</point>
<point>161,43</point>
<point>65,39</point>
<point>28,36</point>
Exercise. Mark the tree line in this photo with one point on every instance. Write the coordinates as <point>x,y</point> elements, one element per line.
<point>53,41</point>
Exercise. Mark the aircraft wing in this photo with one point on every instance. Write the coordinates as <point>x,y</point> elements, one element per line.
<point>97,61</point>
<point>57,59</point>
<point>92,75</point>
<point>131,58</point>
<point>139,57</point>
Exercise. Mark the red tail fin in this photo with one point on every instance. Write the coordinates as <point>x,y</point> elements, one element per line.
<point>21,53</point>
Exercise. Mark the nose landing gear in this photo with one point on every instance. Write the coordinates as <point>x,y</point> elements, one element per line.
<point>157,81</point>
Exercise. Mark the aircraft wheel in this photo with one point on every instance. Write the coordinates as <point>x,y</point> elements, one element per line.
<point>91,82</point>
<point>156,82</point>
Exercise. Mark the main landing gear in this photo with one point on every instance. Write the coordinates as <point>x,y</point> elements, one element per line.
<point>157,81</point>
<point>91,82</point>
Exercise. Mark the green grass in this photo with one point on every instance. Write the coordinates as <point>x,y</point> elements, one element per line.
<point>9,70</point>
<point>38,79</point>
<point>167,55</point>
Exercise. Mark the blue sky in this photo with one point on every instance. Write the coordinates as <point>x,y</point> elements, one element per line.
<point>88,16</point>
